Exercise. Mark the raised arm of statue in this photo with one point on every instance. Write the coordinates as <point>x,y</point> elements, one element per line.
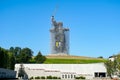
<point>54,23</point>
<point>52,19</point>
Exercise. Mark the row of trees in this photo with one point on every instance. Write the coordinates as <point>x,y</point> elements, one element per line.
<point>8,57</point>
<point>113,66</point>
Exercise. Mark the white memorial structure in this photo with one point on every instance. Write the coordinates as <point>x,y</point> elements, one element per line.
<point>64,71</point>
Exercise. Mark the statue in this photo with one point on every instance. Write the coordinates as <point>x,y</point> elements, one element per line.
<point>59,43</point>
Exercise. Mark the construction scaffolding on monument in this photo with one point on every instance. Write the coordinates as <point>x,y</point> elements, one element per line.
<point>59,38</point>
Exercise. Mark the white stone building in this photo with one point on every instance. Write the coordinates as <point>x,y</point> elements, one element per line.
<point>64,71</point>
<point>111,58</point>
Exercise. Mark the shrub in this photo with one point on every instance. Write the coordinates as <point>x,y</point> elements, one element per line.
<point>37,77</point>
<point>81,77</point>
<point>42,77</point>
<point>59,78</point>
<point>49,77</point>
<point>55,77</point>
<point>52,77</point>
<point>31,78</point>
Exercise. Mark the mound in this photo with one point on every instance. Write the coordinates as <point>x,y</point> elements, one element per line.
<point>67,59</point>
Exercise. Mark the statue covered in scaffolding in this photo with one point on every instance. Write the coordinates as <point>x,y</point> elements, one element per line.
<point>59,38</point>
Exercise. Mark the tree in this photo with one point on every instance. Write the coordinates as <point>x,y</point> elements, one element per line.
<point>21,55</point>
<point>25,55</point>
<point>100,57</point>
<point>17,51</point>
<point>113,67</point>
<point>110,67</point>
<point>40,58</point>
<point>3,58</point>
<point>117,64</point>
<point>11,49</point>
<point>11,61</point>
<point>8,58</point>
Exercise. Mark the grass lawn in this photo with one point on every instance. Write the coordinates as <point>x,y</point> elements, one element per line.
<point>72,60</point>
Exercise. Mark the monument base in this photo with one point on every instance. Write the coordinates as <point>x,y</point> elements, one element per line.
<point>59,54</point>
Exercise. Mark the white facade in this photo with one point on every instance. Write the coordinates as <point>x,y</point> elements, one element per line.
<point>66,71</point>
<point>6,73</point>
<point>112,59</point>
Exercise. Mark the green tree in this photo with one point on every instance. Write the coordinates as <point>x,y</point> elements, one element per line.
<point>113,67</point>
<point>117,64</point>
<point>8,58</point>
<point>25,55</point>
<point>100,57</point>
<point>110,67</point>
<point>3,58</point>
<point>15,51</point>
<point>40,58</point>
<point>11,49</point>
<point>11,61</point>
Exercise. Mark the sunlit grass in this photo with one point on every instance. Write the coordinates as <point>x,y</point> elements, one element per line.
<point>72,61</point>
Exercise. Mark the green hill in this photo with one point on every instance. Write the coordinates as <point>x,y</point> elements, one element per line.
<point>72,60</point>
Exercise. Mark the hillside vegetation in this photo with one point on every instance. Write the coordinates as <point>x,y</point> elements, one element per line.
<point>72,60</point>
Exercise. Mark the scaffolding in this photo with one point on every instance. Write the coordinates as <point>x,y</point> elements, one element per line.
<point>59,38</point>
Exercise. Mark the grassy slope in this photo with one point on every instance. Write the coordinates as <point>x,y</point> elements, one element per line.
<point>71,60</point>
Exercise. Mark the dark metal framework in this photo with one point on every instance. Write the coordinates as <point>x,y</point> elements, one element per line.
<point>59,38</point>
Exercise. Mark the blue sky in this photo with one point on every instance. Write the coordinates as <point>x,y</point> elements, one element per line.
<point>94,25</point>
